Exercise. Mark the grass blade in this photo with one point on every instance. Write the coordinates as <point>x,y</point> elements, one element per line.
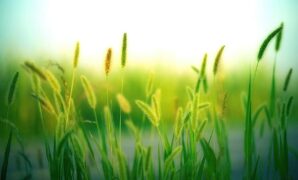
<point>6,157</point>
<point>12,89</point>
<point>209,154</point>
<point>289,105</point>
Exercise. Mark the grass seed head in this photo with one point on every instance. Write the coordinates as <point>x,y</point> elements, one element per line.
<point>123,103</point>
<point>124,50</point>
<point>108,61</point>
<point>156,103</point>
<point>178,122</point>
<point>204,64</point>
<point>288,78</point>
<point>53,81</point>
<point>217,60</point>
<point>89,92</point>
<point>279,37</point>
<point>76,55</point>
<point>45,103</point>
<point>149,112</point>
<point>35,70</point>
<point>149,85</point>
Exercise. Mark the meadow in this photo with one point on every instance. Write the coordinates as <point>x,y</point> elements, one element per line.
<point>134,123</point>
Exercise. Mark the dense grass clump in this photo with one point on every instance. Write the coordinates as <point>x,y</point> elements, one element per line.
<point>195,145</point>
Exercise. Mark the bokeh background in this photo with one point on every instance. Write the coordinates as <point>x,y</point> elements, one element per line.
<point>165,38</point>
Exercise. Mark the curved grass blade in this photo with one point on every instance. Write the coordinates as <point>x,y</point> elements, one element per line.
<point>289,105</point>
<point>208,154</point>
<point>63,141</point>
<point>171,157</point>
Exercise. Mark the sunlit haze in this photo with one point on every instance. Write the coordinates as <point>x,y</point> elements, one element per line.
<point>179,32</point>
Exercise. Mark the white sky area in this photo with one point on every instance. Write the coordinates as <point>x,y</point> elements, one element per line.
<point>159,31</point>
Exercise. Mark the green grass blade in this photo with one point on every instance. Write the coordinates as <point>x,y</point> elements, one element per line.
<point>171,157</point>
<point>201,169</point>
<point>276,145</point>
<point>254,174</point>
<point>64,140</point>
<point>258,113</point>
<point>273,93</point>
<point>209,154</point>
<point>6,157</point>
<point>248,134</point>
<point>195,69</point>
<point>12,88</point>
<point>148,159</point>
<point>289,105</point>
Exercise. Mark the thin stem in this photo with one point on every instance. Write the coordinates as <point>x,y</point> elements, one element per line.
<point>161,138</point>
<point>144,117</point>
<point>96,121</point>
<point>70,95</point>
<point>7,115</point>
<point>107,91</point>
<point>120,114</point>
<point>255,74</point>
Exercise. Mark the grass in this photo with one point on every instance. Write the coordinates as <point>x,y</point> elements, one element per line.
<point>197,144</point>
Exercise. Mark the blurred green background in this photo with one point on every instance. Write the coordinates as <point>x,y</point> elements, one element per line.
<point>24,111</point>
<point>164,38</point>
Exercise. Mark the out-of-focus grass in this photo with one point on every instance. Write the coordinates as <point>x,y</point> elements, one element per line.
<point>173,85</point>
<point>68,108</point>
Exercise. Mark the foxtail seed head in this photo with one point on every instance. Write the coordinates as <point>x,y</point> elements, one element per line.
<point>108,61</point>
